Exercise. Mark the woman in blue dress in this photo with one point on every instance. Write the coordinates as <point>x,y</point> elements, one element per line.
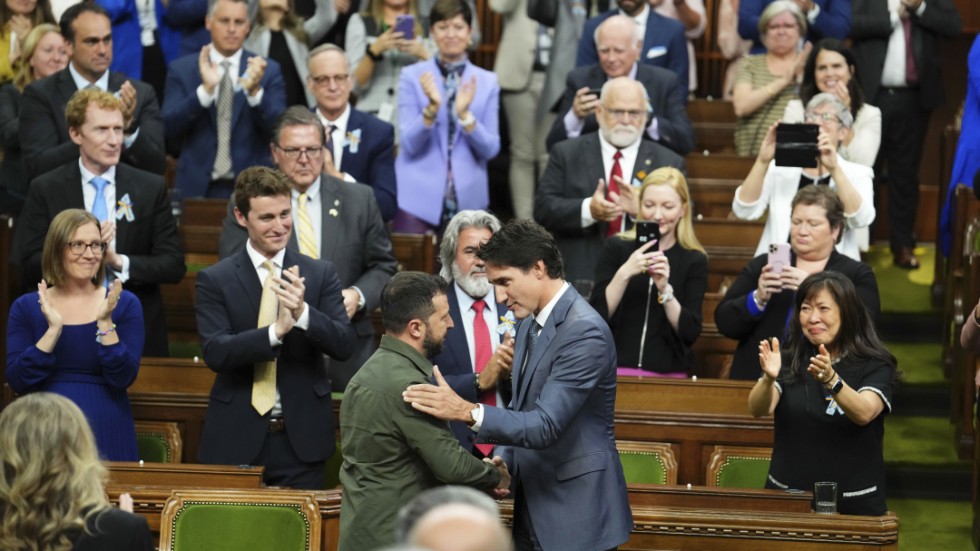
<point>75,339</point>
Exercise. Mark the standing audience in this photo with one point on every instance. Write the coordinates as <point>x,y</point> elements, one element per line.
<point>692,14</point>
<point>825,19</point>
<point>17,18</point>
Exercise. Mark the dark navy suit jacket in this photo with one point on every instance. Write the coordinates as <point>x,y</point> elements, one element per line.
<point>374,161</point>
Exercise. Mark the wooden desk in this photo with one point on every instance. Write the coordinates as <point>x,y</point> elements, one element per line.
<point>175,475</point>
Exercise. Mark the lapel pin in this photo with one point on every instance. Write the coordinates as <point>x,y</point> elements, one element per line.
<point>333,212</point>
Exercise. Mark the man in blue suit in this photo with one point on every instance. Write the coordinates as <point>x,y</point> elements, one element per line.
<point>480,337</point>
<point>568,485</point>
<point>220,122</point>
<point>362,146</point>
<point>664,44</point>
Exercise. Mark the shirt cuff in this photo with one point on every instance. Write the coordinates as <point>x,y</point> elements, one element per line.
<point>273,340</point>
<point>123,274</point>
<point>653,129</point>
<point>254,101</point>
<point>349,178</point>
<point>477,413</point>
<point>128,141</point>
<point>586,213</point>
<point>811,15</point>
<point>204,98</point>
<point>304,319</point>
<point>919,11</point>
<point>360,301</point>
<point>573,124</point>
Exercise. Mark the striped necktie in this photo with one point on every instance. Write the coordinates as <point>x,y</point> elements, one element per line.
<point>264,373</point>
<point>306,235</point>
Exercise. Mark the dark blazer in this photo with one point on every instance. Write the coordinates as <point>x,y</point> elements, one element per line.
<point>457,368</point>
<point>573,172</point>
<point>667,95</point>
<point>356,242</point>
<point>664,44</point>
<point>871,28</point>
<point>736,321</point>
<point>558,431</point>
<point>11,169</point>
<point>833,21</point>
<point>115,530</point>
<point>44,132</point>
<point>150,240</point>
<point>193,130</point>
<point>374,161</point>
<point>227,307</point>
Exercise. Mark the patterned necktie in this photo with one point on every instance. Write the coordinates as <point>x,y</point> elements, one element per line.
<point>452,73</point>
<point>306,236</point>
<point>484,351</point>
<point>328,145</point>
<point>264,373</point>
<point>532,339</point>
<point>911,69</point>
<point>615,225</point>
<point>98,206</point>
<point>222,161</point>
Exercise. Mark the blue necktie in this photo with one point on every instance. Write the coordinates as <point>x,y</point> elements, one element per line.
<point>98,207</point>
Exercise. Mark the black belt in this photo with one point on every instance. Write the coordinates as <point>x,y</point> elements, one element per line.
<point>277,424</point>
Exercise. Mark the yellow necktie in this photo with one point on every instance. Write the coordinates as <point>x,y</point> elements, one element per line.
<point>307,239</point>
<point>264,375</point>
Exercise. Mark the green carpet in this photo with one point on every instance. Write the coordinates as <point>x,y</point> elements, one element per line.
<point>926,441</point>
<point>902,290</point>
<point>927,525</point>
<point>921,364</point>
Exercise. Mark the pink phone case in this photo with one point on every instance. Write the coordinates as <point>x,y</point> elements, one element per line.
<point>779,256</point>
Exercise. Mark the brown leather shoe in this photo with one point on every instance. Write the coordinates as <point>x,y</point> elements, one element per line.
<point>905,259</point>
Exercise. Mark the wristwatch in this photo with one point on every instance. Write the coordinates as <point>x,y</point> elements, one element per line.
<point>837,386</point>
<point>372,55</point>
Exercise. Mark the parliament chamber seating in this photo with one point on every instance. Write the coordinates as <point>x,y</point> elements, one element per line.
<point>158,442</point>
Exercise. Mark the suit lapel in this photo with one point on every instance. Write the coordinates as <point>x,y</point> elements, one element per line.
<point>354,122</point>
<point>548,333</point>
<point>460,348</point>
<point>249,280</point>
<point>331,229</point>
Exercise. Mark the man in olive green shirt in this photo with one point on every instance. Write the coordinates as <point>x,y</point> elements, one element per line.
<point>391,451</point>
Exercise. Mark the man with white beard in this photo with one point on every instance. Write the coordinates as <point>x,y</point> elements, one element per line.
<point>587,191</point>
<point>479,350</point>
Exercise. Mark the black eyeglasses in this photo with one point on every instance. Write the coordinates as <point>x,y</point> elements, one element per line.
<point>293,153</point>
<point>77,248</point>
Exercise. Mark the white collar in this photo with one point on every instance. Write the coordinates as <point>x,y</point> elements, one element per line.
<point>81,82</point>
<point>235,59</point>
<point>87,175</point>
<point>340,123</point>
<point>545,313</point>
<point>311,191</point>
<point>258,258</point>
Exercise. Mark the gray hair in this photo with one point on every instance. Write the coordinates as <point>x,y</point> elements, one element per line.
<point>778,7</point>
<point>328,47</point>
<point>409,515</point>
<point>299,115</point>
<point>637,35</point>
<point>842,112</point>
<point>450,238</point>
<point>253,7</point>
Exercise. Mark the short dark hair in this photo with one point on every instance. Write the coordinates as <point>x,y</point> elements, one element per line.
<point>443,10</point>
<point>259,181</point>
<point>408,296</point>
<point>521,244</point>
<point>72,13</point>
<point>298,115</point>
<point>822,196</point>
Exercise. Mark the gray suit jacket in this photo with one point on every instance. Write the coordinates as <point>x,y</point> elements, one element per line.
<point>568,30</point>
<point>573,172</point>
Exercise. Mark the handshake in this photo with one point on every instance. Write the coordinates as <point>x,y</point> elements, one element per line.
<point>503,487</point>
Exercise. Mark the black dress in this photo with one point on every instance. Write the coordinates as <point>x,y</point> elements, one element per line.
<point>115,530</point>
<point>664,350</point>
<point>815,442</point>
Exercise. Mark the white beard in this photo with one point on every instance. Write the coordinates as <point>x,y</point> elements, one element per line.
<point>621,135</point>
<point>476,287</point>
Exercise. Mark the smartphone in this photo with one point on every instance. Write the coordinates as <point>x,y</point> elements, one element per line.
<point>779,256</point>
<point>647,231</point>
<point>594,91</point>
<point>405,24</point>
<point>796,145</point>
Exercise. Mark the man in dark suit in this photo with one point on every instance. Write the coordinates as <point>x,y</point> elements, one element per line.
<point>218,123</point>
<point>362,146</point>
<point>567,201</point>
<point>663,46</point>
<point>43,132</point>
<point>557,433</point>
<point>897,50</point>
<point>480,336</point>
<point>668,123</point>
<point>266,316</point>
<point>132,206</point>
<point>346,229</point>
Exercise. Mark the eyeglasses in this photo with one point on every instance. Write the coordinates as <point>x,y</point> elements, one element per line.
<point>293,153</point>
<point>621,114</point>
<point>77,248</point>
<point>814,117</point>
<point>322,80</point>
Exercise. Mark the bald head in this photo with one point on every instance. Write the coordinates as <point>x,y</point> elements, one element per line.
<point>618,43</point>
<point>622,111</point>
<point>460,527</point>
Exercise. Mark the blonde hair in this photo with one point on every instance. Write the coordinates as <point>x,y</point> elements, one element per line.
<point>375,10</point>
<point>51,480</point>
<point>23,72</point>
<point>290,22</point>
<point>675,180</point>
<point>56,243</point>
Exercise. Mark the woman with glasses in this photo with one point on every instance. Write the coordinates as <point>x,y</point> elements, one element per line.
<point>766,82</point>
<point>76,338</point>
<point>770,188</point>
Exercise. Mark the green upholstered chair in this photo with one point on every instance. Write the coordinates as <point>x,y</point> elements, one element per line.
<point>738,467</point>
<point>158,442</point>
<point>232,520</point>
<point>331,474</point>
<point>647,462</point>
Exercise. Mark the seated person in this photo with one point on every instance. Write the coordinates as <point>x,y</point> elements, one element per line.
<point>757,304</point>
<point>654,334</point>
<point>771,188</point>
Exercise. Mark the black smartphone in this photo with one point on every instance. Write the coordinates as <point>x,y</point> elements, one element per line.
<point>647,231</point>
<point>405,24</point>
<point>796,145</point>
<point>595,91</point>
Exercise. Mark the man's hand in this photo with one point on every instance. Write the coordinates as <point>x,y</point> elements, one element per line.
<point>602,209</point>
<point>626,197</point>
<point>284,321</point>
<point>127,95</point>
<point>503,487</point>
<point>291,291</point>
<point>210,74</point>
<point>252,79</point>
<point>438,400</point>
<point>584,103</point>
<point>328,165</point>
<point>499,365</point>
<point>112,259</point>
<point>351,299</point>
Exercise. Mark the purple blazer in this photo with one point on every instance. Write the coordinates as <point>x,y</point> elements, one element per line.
<point>422,162</point>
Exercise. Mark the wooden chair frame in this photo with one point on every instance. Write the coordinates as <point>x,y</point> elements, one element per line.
<point>170,433</point>
<point>661,449</point>
<point>722,454</point>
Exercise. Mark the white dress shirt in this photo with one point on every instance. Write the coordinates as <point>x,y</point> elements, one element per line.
<point>627,162</point>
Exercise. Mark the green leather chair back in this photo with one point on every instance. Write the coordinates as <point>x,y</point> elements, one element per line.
<point>152,447</point>
<point>743,472</point>
<point>643,467</point>
<point>211,526</point>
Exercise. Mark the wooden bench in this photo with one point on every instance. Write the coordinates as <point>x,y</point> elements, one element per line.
<point>173,475</point>
<point>712,197</point>
<point>726,166</point>
<point>415,252</point>
<point>714,125</point>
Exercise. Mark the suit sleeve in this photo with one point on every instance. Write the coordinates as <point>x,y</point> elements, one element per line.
<point>32,227</point>
<point>164,262</point>
<point>181,108</point>
<point>673,123</point>
<point>224,349</point>
<point>834,20</point>
<point>330,329</point>
<point>587,53</point>
<point>558,132</point>
<point>748,18</point>
<point>381,174</point>
<point>942,18</point>
<point>186,13</point>
<point>39,135</point>
<point>233,235</point>
<point>148,152</point>
<point>320,23</point>
<point>732,315</point>
<point>379,260</point>
<point>867,23</point>
<point>552,208</point>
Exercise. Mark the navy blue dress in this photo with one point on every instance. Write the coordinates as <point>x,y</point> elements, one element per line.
<point>93,376</point>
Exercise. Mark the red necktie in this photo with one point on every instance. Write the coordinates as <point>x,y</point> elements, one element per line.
<point>484,350</point>
<point>911,69</point>
<point>616,225</point>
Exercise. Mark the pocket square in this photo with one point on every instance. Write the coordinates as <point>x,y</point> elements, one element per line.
<point>656,51</point>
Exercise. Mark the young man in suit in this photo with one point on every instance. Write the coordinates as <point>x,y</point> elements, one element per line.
<point>568,202</point>
<point>132,206</point>
<point>345,228</point>
<point>43,132</point>
<point>896,44</point>
<point>361,146</point>
<point>619,47</point>
<point>267,316</point>
<point>478,355</point>
<point>557,434</point>
<point>220,106</point>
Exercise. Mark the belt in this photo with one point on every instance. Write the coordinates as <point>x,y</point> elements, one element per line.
<point>277,425</point>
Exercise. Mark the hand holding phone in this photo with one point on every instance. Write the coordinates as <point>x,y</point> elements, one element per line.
<point>405,24</point>
<point>796,145</point>
<point>779,256</point>
<point>647,231</point>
